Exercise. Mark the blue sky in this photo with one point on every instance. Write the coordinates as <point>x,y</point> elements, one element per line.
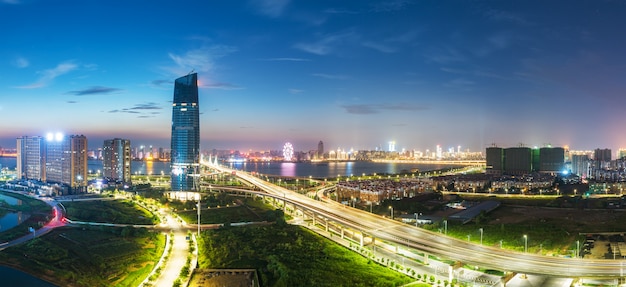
<point>354,74</point>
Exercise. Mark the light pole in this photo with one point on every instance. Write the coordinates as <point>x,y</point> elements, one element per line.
<point>481,236</point>
<point>198,215</point>
<point>577,247</point>
<point>525,243</point>
<point>391,207</point>
<point>445,227</point>
<point>416,218</point>
<point>468,237</point>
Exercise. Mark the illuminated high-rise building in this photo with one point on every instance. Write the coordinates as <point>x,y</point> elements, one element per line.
<point>31,158</point>
<point>66,161</point>
<point>185,149</point>
<point>551,159</point>
<point>602,158</point>
<point>495,160</point>
<point>116,159</point>
<point>320,150</point>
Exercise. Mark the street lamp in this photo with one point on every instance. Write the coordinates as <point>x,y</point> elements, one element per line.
<point>445,227</point>
<point>468,237</point>
<point>199,215</point>
<point>525,243</point>
<point>481,236</point>
<point>391,207</point>
<point>577,247</point>
<point>416,218</point>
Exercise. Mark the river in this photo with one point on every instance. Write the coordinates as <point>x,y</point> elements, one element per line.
<point>14,277</point>
<point>298,169</point>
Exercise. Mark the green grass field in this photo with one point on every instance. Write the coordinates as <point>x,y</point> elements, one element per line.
<point>109,211</point>
<point>89,257</point>
<point>250,210</point>
<point>286,255</point>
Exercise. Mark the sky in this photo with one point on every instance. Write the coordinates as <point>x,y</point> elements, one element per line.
<point>354,74</point>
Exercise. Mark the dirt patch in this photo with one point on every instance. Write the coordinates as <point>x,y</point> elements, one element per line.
<point>573,220</point>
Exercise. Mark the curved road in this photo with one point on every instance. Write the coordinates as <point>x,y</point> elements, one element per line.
<point>440,245</point>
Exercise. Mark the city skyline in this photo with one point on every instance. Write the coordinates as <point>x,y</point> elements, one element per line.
<point>352,74</point>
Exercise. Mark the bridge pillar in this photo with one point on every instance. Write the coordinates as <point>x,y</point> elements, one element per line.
<point>425,258</point>
<point>326,224</point>
<point>342,232</point>
<point>313,219</point>
<point>450,273</point>
<point>362,237</point>
<point>396,249</point>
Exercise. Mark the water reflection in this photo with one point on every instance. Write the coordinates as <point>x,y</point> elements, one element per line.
<point>12,219</point>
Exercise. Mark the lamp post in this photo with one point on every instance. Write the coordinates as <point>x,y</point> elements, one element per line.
<point>468,237</point>
<point>525,243</point>
<point>198,215</point>
<point>445,227</point>
<point>577,247</point>
<point>481,235</point>
<point>416,218</point>
<point>391,208</point>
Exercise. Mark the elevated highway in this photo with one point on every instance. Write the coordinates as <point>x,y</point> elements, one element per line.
<point>376,227</point>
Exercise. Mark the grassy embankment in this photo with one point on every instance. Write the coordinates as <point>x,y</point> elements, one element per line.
<point>283,255</point>
<point>93,256</point>
<point>246,210</point>
<point>286,255</point>
<point>40,214</point>
<point>109,211</point>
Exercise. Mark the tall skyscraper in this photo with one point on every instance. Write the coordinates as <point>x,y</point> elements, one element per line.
<point>495,160</point>
<point>320,150</point>
<point>116,159</point>
<point>31,158</point>
<point>551,159</point>
<point>185,149</point>
<point>602,158</point>
<point>66,161</point>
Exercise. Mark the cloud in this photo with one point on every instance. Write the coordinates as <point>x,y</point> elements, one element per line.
<point>71,102</point>
<point>390,5</point>
<point>445,55</point>
<point>327,43</point>
<point>144,110</point>
<point>21,62</point>
<point>477,73</point>
<point>96,90</point>
<point>219,86</point>
<point>365,109</point>
<point>271,8</point>
<point>287,59</point>
<point>47,76</point>
<point>340,11</point>
<point>200,60</point>
<point>379,47</point>
<point>494,43</point>
<point>158,83</point>
<point>215,110</point>
<point>146,106</point>
<point>330,76</point>
<point>295,91</point>
<point>504,16</point>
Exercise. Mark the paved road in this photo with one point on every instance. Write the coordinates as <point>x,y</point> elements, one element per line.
<point>55,222</point>
<point>178,257</point>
